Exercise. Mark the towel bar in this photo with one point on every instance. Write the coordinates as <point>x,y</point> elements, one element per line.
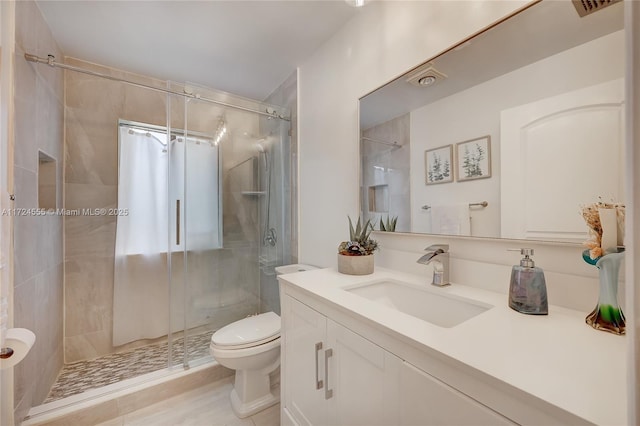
<point>480,204</point>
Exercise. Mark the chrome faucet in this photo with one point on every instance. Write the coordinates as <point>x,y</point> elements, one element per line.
<point>439,254</point>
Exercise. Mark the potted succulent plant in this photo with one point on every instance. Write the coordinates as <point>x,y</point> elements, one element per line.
<point>355,257</point>
<point>389,225</point>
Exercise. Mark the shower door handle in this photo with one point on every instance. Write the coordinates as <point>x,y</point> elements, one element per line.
<point>318,381</point>
<point>177,222</point>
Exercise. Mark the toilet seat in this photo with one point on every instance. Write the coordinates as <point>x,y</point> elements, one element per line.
<point>248,332</point>
<point>220,352</point>
<point>246,345</point>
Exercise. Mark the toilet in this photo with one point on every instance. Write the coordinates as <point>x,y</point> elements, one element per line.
<point>251,346</point>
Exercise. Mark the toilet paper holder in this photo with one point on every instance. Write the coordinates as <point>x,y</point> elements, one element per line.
<point>19,342</point>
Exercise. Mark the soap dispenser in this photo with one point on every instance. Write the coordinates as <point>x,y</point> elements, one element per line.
<point>528,289</point>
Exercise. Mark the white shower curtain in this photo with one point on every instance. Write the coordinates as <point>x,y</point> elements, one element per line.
<point>140,291</point>
<point>141,283</point>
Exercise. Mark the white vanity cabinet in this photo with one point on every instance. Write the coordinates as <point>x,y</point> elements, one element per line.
<point>425,400</point>
<point>335,376</point>
<point>375,364</point>
<point>363,380</point>
<point>332,375</point>
<point>303,343</point>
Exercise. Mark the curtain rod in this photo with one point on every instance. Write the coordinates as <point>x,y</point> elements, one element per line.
<point>51,61</point>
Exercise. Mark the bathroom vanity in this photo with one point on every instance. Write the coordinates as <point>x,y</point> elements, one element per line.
<point>388,348</point>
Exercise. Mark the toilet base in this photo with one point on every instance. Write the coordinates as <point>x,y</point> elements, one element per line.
<point>246,409</point>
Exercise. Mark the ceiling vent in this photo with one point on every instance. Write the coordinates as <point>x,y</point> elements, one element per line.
<point>425,76</point>
<point>587,7</point>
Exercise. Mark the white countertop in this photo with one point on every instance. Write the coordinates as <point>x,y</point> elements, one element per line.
<point>556,357</point>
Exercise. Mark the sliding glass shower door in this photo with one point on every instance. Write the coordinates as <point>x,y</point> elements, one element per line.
<point>220,190</point>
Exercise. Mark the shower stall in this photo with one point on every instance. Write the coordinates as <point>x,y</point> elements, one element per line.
<point>177,204</point>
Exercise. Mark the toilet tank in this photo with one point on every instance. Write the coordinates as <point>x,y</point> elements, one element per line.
<point>296,267</point>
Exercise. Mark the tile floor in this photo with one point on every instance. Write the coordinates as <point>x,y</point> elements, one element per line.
<point>84,375</point>
<point>205,406</point>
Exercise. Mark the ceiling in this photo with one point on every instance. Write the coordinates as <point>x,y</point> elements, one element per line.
<point>247,48</point>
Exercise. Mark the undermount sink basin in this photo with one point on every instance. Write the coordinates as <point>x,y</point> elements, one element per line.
<point>441,310</point>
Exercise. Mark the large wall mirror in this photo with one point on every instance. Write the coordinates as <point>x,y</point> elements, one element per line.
<point>504,136</point>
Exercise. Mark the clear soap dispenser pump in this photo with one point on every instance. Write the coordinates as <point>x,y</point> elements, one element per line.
<point>528,289</point>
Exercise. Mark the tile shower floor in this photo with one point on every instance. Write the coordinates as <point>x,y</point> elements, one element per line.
<point>84,375</point>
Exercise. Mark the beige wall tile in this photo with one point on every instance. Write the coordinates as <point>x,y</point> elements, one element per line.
<point>49,248</point>
<point>84,196</point>
<point>24,316</point>
<point>49,324</point>
<point>25,110</point>
<point>90,236</point>
<point>91,149</point>
<point>94,95</point>
<point>50,121</point>
<point>89,295</point>
<point>86,346</point>
<point>26,187</point>
<point>144,105</point>
<point>22,407</point>
<point>26,29</point>
<point>46,45</point>
<point>25,259</point>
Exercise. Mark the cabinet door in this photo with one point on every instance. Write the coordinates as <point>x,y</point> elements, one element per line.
<point>303,365</point>
<point>425,400</point>
<point>363,380</point>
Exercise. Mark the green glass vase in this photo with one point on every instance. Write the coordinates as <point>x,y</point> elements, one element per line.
<point>607,315</point>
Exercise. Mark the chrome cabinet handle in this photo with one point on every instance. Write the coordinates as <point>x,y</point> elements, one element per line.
<point>177,222</point>
<point>319,383</point>
<point>328,393</point>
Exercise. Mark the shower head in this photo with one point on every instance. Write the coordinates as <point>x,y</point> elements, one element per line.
<point>262,149</point>
<point>260,146</point>
<point>263,144</point>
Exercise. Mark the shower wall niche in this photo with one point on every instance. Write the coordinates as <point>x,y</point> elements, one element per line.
<point>47,182</point>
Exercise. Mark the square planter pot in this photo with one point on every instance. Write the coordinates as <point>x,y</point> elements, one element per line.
<point>355,265</point>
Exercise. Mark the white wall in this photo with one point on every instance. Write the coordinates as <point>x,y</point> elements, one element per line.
<point>383,41</point>
<point>479,108</point>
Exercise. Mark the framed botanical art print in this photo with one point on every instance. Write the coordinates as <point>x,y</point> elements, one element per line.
<point>439,165</point>
<point>473,159</point>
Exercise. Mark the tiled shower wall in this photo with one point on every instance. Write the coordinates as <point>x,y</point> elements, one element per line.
<point>93,107</point>
<point>37,240</point>
<point>386,165</point>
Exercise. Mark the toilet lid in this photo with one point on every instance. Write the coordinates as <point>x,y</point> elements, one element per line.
<point>256,329</point>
